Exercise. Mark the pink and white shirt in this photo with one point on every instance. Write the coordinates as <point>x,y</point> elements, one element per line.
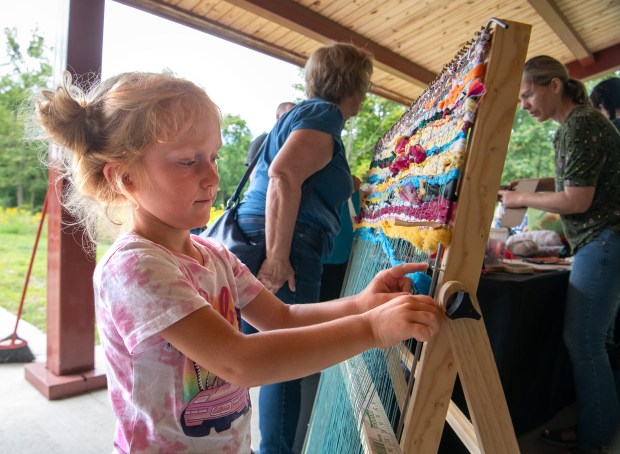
<point>164,401</point>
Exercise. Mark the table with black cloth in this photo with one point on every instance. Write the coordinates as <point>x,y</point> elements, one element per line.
<point>524,315</point>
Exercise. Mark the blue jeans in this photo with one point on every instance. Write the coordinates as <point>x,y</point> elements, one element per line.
<point>592,303</point>
<point>279,403</point>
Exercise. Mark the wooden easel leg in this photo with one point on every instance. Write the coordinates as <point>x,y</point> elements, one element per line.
<point>482,387</point>
<point>461,347</point>
<point>426,413</point>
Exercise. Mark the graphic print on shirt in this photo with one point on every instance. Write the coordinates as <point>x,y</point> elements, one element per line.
<point>217,404</point>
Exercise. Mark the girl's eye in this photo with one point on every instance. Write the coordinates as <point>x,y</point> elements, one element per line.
<point>187,163</point>
<point>214,159</point>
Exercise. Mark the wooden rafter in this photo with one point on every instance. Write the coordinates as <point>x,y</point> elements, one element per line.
<point>605,60</point>
<point>404,36</point>
<point>551,14</point>
<point>204,24</point>
<point>301,19</point>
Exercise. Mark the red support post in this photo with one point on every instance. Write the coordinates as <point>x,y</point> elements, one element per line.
<point>70,367</point>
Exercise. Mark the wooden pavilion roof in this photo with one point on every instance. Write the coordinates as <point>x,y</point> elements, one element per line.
<point>411,40</point>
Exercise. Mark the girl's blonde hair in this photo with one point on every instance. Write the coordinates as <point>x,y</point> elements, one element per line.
<point>337,71</point>
<point>116,121</point>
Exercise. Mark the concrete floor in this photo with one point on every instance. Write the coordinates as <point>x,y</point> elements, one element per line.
<point>85,424</point>
<point>31,424</point>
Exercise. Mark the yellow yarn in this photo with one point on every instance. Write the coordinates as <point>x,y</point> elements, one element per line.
<point>426,239</point>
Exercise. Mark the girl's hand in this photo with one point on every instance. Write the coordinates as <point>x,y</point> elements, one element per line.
<point>387,284</point>
<point>273,274</point>
<point>404,317</point>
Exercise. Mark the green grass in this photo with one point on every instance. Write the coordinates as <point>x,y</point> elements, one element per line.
<point>18,229</point>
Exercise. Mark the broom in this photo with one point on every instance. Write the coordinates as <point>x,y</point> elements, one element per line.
<point>14,349</point>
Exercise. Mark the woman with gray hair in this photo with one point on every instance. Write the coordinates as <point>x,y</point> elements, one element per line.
<point>294,202</point>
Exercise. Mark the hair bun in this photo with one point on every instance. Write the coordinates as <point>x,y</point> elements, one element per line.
<point>88,110</point>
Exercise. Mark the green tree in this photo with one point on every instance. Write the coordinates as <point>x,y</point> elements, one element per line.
<point>361,133</point>
<point>530,151</point>
<point>236,137</point>
<point>23,178</point>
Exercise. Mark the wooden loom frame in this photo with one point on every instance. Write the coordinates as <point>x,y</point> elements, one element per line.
<point>462,345</point>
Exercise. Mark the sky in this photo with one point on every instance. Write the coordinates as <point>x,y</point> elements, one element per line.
<point>240,81</point>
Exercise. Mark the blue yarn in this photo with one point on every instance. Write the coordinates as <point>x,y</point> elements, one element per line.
<point>421,283</point>
<point>440,180</point>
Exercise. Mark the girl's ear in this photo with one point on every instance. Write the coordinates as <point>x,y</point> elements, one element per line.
<point>117,180</point>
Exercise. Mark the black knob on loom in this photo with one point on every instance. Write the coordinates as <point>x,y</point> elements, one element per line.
<point>459,305</point>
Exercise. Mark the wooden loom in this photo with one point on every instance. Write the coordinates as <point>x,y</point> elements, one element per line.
<point>462,346</point>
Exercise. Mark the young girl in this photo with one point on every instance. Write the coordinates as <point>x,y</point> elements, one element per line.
<point>168,304</point>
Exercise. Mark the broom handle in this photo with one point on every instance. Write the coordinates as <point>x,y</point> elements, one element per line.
<point>34,251</point>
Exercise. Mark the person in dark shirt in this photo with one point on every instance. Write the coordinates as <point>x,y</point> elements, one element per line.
<point>605,97</point>
<point>585,194</point>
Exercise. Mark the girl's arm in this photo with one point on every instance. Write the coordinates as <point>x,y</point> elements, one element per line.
<point>305,152</point>
<point>284,354</point>
<point>266,312</point>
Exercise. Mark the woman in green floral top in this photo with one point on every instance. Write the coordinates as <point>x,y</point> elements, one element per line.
<point>585,194</point>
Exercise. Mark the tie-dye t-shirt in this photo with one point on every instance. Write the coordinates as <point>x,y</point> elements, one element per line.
<point>165,402</point>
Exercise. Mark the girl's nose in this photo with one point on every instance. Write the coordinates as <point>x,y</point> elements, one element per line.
<point>210,175</point>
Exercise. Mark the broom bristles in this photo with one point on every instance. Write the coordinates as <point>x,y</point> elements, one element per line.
<point>14,349</point>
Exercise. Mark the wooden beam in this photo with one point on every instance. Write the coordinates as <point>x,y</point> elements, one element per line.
<point>303,20</point>
<point>383,57</point>
<point>463,427</point>
<point>605,61</point>
<point>551,14</point>
<point>204,24</point>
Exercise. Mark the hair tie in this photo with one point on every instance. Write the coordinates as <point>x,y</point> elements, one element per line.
<point>88,110</point>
